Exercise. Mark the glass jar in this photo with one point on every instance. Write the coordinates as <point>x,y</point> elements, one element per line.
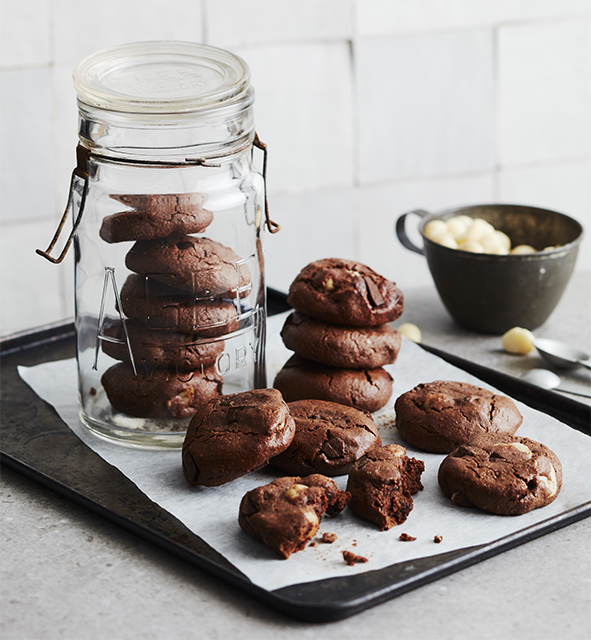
<point>168,216</point>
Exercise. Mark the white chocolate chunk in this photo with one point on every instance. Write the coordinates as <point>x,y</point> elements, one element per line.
<point>295,490</point>
<point>494,244</point>
<point>410,331</point>
<point>479,230</point>
<point>549,484</point>
<point>522,249</point>
<point>396,450</point>
<point>466,231</point>
<point>434,229</point>
<point>471,245</point>
<point>459,225</point>
<point>447,240</point>
<point>520,447</point>
<point>313,519</point>
<point>505,240</point>
<point>518,340</point>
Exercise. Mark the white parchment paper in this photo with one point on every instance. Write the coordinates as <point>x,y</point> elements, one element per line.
<point>212,513</point>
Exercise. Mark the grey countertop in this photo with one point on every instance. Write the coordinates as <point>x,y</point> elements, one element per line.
<point>69,574</point>
<point>570,322</point>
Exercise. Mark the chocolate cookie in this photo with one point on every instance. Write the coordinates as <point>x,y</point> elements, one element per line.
<point>439,416</point>
<point>158,306</point>
<point>285,514</point>
<point>345,292</point>
<point>200,266</point>
<point>235,434</point>
<point>381,484</point>
<point>502,474</point>
<point>339,345</point>
<point>160,349</point>
<point>301,379</point>
<point>159,393</point>
<point>329,437</point>
<point>156,216</point>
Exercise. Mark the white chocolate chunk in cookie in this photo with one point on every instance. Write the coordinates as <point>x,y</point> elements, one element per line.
<point>396,450</point>
<point>548,482</point>
<point>294,492</point>
<point>521,447</point>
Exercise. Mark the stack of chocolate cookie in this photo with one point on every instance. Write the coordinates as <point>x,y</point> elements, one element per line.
<point>339,334</point>
<point>177,304</point>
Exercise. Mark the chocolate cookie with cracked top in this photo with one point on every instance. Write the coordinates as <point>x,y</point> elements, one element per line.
<point>301,379</point>
<point>159,393</point>
<point>159,306</point>
<point>502,474</point>
<point>381,484</point>
<point>156,216</point>
<point>329,437</point>
<point>235,434</point>
<point>439,416</point>
<point>339,345</point>
<point>285,514</point>
<point>200,266</point>
<point>345,292</point>
<point>160,349</point>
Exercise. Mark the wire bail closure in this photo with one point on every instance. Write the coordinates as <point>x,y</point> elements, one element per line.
<point>81,171</point>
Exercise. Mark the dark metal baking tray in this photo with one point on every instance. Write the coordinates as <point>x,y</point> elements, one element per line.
<point>36,442</point>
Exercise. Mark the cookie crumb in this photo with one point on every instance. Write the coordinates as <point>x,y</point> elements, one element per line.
<point>437,539</point>
<point>92,391</point>
<point>404,537</point>
<point>351,558</point>
<point>328,537</point>
<point>312,544</point>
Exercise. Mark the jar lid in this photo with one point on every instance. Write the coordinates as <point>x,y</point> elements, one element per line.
<point>163,77</point>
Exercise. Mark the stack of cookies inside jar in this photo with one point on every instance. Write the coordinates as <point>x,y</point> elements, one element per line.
<point>340,336</point>
<point>175,308</point>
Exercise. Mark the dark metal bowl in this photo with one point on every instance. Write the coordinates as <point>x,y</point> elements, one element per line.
<point>492,293</point>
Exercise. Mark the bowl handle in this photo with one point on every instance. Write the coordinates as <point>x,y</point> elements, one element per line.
<point>401,230</point>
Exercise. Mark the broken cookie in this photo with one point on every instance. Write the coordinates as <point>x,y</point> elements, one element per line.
<point>285,514</point>
<point>381,485</point>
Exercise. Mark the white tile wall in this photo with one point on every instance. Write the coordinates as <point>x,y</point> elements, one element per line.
<point>385,17</point>
<point>304,113</point>
<point>544,91</point>
<point>29,285</point>
<point>24,33</point>
<point>232,23</point>
<point>370,108</point>
<point>27,149</point>
<point>425,105</point>
<point>313,226</point>
<point>81,27</point>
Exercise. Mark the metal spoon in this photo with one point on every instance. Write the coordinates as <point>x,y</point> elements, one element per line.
<point>548,380</point>
<point>562,355</point>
